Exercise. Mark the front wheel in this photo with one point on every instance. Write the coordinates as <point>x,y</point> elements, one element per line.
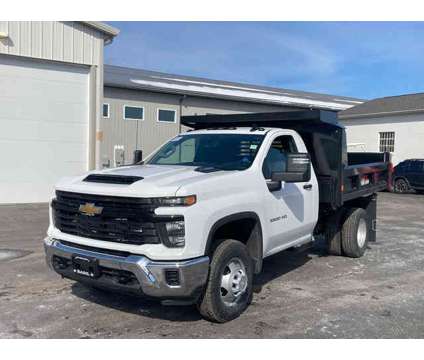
<point>230,284</point>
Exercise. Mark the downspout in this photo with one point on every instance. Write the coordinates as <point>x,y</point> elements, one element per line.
<point>181,100</point>
<point>136,135</point>
<point>94,133</point>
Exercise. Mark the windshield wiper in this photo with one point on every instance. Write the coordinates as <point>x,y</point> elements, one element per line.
<point>213,168</point>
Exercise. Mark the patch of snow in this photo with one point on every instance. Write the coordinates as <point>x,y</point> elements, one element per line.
<point>9,254</point>
<point>223,85</point>
<point>349,101</point>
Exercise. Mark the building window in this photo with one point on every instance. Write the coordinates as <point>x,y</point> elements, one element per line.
<point>167,115</point>
<point>133,112</point>
<point>105,110</point>
<point>387,141</point>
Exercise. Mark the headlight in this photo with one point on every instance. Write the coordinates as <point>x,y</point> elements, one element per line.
<point>177,201</point>
<point>174,234</point>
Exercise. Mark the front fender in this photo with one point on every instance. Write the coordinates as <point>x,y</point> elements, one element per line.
<point>254,242</point>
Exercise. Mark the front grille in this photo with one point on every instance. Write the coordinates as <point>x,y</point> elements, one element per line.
<point>122,219</point>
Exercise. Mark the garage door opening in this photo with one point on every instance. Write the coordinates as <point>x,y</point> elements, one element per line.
<point>44,116</point>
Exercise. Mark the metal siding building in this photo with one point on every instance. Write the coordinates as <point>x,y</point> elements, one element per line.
<point>149,133</point>
<point>185,95</point>
<point>72,42</point>
<point>51,81</point>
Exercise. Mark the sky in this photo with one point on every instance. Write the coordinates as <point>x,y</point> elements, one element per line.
<point>359,59</point>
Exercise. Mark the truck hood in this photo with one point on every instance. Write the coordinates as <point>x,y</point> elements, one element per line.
<point>157,180</point>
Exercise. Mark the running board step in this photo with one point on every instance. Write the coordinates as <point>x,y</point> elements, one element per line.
<point>303,247</point>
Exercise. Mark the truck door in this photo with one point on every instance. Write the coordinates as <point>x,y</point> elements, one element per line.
<point>292,210</point>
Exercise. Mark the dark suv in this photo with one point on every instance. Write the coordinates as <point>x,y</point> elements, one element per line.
<point>409,174</point>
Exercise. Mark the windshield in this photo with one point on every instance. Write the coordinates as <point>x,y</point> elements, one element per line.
<point>215,151</point>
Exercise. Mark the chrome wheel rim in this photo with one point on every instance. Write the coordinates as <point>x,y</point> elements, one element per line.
<point>361,234</point>
<point>233,281</point>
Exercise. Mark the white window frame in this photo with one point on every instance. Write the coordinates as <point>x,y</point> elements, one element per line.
<point>108,111</point>
<point>166,122</point>
<point>133,106</point>
<point>387,140</point>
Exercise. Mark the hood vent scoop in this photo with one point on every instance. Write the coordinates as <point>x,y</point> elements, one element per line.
<point>112,179</point>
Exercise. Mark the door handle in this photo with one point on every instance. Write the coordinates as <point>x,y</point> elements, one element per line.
<point>307,186</point>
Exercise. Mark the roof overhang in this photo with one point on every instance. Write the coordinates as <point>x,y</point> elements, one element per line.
<point>253,100</point>
<point>106,29</point>
<point>182,85</point>
<point>251,97</point>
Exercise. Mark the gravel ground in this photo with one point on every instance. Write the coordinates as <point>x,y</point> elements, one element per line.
<point>298,295</point>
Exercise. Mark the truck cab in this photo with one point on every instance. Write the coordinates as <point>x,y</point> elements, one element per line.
<point>194,220</point>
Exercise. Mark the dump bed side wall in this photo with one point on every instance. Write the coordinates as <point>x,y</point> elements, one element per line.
<point>356,158</point>
<point>364,179</point>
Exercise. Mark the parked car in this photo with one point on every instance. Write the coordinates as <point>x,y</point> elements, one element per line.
<point>194,221</point>
<point>409,175</point>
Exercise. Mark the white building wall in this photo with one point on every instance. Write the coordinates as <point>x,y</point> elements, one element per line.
<point>409,134</point>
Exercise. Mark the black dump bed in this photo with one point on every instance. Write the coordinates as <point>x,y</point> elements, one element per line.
<point>341,176</point>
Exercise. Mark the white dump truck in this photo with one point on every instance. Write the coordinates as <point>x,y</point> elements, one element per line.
<point>194,221</point>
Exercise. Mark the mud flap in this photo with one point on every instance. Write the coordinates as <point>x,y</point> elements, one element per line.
<point>371,210</point>
<point>333,233</point>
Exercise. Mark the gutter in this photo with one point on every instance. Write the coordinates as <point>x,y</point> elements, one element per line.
<point>380,114</point>
<point>108,30</point>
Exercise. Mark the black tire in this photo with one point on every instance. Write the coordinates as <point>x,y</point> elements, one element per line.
<point>355,240</point>
<point>212,306</point>
<point>401,186</point>
<point>332,233</point>
<point>420,192</point>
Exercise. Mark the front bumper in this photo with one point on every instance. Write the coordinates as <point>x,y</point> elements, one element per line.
<point>132,273</point>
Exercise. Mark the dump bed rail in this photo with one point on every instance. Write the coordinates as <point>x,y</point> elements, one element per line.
<point>367,178</point>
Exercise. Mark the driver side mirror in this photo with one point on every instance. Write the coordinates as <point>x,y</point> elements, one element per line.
<point>298,169</point>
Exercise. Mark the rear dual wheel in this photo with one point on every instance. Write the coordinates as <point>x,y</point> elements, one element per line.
<point>355,233</point>
<point>347,233</point>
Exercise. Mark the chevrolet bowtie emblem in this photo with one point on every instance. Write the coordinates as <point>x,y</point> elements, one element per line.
<point>90,209</point>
